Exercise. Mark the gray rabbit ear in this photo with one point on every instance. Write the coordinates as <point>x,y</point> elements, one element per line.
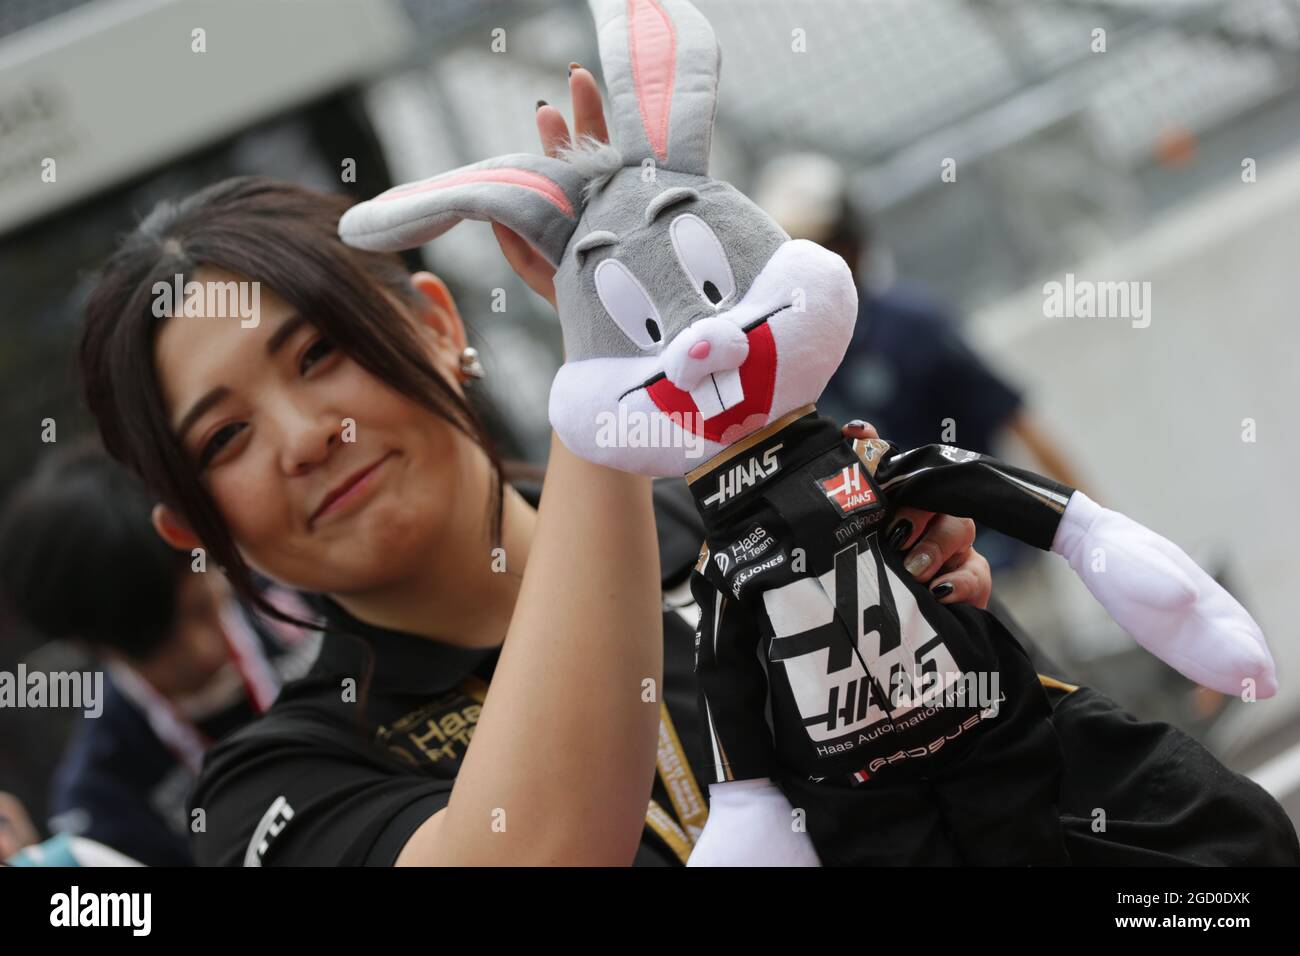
<point>661,62</point>
<point>537,196</point>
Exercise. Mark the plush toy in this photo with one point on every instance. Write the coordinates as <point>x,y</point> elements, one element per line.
<point>830,678</point>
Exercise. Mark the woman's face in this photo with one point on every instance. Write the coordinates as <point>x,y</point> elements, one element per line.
<point>328,480</point>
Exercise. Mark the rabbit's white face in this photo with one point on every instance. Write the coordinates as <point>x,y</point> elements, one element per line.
<point>700,324</point>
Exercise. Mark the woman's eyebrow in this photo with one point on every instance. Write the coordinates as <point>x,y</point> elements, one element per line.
<point>198,408</point>
<point>281,335</point>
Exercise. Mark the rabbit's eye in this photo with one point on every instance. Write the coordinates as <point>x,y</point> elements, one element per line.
<point>701,255</point>
<point>628,304</point>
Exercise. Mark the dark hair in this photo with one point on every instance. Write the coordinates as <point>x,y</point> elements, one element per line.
<point>80,559</point>
<point>284,236</point>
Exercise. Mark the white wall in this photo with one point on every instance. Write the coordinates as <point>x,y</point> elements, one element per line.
<point>1153,416</point>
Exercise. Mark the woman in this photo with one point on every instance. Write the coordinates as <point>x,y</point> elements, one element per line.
<point>328,446</point>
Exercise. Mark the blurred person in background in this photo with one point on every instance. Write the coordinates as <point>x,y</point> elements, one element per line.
<point>20,844</point>
<point>80,561</point>
<point>16,827</point>
<point>907,366</point>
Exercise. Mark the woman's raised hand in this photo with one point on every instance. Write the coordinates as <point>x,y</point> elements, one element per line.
<point>588,120</point>
<point>940,548</point>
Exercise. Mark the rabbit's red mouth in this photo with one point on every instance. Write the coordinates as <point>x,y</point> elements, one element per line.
<point>757,380</point>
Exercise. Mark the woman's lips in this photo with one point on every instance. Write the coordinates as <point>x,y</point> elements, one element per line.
<point>349,491</point>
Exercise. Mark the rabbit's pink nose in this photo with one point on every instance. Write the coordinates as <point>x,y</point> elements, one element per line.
<point>700,350</point>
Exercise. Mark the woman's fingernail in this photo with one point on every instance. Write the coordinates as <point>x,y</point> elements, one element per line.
<point>943,590</point>
<point>541,103</point>
<point>917,563</point>
<point>902,531</point>
<point>856,423</point>
<point>575,65</point>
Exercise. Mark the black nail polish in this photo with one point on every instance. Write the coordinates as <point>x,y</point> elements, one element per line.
<point>541,103</point>
<point>943,590</point>
<point>857,423</point>
<point>898,537</point>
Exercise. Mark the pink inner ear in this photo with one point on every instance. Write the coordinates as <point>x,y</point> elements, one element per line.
<point>504,175</point>
<point>652,48</point>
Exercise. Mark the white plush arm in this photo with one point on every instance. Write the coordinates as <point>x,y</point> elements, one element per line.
<point>1164,600</point>
<point>751,823</point>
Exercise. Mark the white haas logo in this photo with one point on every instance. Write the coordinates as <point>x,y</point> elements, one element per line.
<point>745,475</point>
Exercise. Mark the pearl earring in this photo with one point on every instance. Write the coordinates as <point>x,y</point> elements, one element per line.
<point>470,366</point>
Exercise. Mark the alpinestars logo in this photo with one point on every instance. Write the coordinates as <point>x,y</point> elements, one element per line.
<point>959,456</point>
<point>723,562</point>
<point>745,475</point>
<point>848,490</point>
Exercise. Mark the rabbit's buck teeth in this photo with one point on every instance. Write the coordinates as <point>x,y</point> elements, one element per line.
<point>718,392</point>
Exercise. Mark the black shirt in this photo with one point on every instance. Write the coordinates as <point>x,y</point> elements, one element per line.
<point>819,654</point>
<point>354,756</point>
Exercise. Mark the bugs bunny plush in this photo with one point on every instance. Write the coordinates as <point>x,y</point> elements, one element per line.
<point>684,305</point>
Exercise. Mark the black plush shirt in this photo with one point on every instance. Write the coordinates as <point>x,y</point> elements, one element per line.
<point>353,757</point>
<point>818,654</point>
